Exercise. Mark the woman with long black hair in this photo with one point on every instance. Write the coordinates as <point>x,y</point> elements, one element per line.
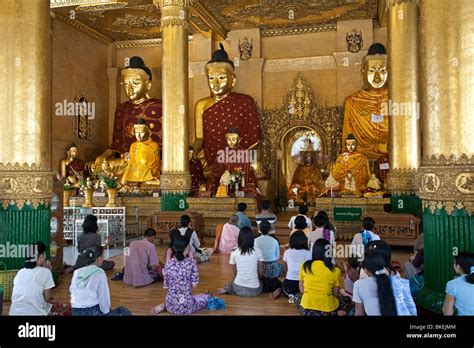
<point>460,291</point>
<point>319,282</point>
<point>381,293</point>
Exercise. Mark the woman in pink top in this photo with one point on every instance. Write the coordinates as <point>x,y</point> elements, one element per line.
<point>229,235</point>
<point>141,265</point>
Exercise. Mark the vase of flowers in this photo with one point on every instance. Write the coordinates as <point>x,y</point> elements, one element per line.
<point>111,186</point>
<point>236,178</point>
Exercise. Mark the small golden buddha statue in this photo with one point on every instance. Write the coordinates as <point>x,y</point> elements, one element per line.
<point>350,188</point>
<point>365,112</point>
<point>136,81</point>
<point>307,176</point>
<point>224,183</point>
<point>374,187</point>
<point>72,166</point>
<point>144,165</point>
<point>223,109</point>
<point>354,162</point>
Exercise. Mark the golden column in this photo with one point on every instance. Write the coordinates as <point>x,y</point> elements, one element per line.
<point>175,177</point>
<point>25,119</point>
<point>447,172</point>
<point>405,140</point>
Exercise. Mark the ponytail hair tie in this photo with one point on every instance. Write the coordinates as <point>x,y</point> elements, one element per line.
<point>472,269</point>
<point>380,272</point>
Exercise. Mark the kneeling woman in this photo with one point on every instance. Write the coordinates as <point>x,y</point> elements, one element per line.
<point>319,282</point>
<point>181,276</point>
<point>246,263</point>
<point>89,289</point>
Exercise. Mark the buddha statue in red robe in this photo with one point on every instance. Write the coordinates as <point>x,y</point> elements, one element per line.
<point>136,80</point>
<point>232,159</point>
<point>223,109</point>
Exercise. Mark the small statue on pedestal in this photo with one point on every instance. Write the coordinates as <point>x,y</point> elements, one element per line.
<point>224,183</point>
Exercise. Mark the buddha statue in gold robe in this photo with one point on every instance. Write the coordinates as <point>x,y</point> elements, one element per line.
<point>144,164</point>
<point>307,177</point>
<point>365,112</point>
<point>354,163</point>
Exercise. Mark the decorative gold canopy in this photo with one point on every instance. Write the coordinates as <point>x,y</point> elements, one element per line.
<point>131,20</point>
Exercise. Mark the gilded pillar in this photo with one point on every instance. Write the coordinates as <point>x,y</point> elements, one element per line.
<point>447,172</point>
<point>25,119</point>
<point>404,106</point>
<point>175,176</point>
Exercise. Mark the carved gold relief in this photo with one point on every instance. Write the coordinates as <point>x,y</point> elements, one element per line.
<point>447,182</point>
<point>24,182</point>
<point>175,181</point>
<point>402,181</point>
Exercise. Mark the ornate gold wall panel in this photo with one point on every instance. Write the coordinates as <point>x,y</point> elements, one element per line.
<point>447,182</point>
<point>326,121</point>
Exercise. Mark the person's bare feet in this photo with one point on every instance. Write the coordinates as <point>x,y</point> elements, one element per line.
<point>158,309</point>
<point>220,291</point>
<point>275,294</point>
<point>341,313</point>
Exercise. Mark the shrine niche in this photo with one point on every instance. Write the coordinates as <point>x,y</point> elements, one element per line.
<point>299,131</point>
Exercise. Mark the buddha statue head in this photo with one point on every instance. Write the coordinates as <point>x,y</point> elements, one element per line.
<point>142,131</point>
<point>136,80</point>
<point>72,152</point>
<point>351,143</point>
<point>308,159</point>
<point>233,138</point>
<point>220,74</point>
<point>375,67</point>
<point>191,153</point>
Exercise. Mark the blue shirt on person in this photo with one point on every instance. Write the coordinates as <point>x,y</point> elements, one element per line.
<point>463,292</point>
<point>243,220</point>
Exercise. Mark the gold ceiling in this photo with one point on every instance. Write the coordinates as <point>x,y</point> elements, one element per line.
<point>122,20</point>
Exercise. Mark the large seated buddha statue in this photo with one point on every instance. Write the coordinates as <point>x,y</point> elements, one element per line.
<point>144,164</point>
<point>352,164</point>
<point>136,80</point>
<point>223,109</point>
<point>365,112</point>
<point>307,177</point>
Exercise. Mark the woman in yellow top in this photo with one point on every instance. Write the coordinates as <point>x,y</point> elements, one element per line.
<point>319,282</point>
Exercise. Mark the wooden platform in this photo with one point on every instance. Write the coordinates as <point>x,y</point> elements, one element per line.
<point>214,210</point>
<point>212,274</point>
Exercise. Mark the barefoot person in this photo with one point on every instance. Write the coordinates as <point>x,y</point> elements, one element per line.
<point>246,263</point>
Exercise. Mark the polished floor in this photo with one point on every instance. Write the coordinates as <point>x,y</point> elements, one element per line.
<point>212,274</point>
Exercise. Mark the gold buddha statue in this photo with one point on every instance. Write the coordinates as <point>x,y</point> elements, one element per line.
<point>374,187</point>
<point>72,166</point>
<point>136,81</point>
<point>354,162</point>
<point>223,109</point>
<point>234,157</point>
<point>307,177</point>
<point>350,188</point>
<point>144,164</point>
<point>365,112</point>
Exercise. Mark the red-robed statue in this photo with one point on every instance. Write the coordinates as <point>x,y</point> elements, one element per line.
<point>136,80</point>
<point>222,110</point>
<point>234,158</point>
